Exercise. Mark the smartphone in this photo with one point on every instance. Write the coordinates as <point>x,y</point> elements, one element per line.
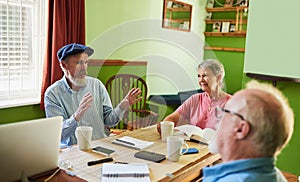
<point>190,151</point>
<point>103,151</point>
<point>150,156</point>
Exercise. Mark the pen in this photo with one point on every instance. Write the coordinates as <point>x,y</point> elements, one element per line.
<point>118,162</point>
<point>109,159</point>
<point>129,143</point>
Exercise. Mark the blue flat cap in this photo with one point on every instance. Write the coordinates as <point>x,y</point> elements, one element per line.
<point>71,49</point>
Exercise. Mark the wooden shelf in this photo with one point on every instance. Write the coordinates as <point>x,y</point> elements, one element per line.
<point>232,21</point>
<point>235,18</point>
<point>185,30</point>
<point>179,9</point>
<point>226,9</point>
<point>229,34</point>
<point>178,20</point>
<point>214,48</point>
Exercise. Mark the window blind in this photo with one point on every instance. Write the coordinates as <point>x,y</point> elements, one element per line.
<point>21,51</point>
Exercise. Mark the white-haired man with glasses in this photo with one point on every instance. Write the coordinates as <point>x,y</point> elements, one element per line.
<point>253,128</point>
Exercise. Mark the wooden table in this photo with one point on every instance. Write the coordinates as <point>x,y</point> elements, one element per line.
<point>187,168</point>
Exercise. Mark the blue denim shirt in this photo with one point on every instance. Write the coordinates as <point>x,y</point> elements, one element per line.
<point>256,170</point>
<point>61,100</point>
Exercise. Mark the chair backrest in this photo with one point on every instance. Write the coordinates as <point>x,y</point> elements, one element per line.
<point>119,85</point>
<point>137,116</point>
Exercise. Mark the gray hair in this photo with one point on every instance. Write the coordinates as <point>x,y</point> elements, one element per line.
<point>216,67</point>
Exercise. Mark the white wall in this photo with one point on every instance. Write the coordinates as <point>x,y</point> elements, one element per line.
<point>272,42</point>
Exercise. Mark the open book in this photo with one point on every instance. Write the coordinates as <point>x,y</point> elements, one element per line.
<point>132,142</point>
<point>193,132</point>
<point>138,172</point>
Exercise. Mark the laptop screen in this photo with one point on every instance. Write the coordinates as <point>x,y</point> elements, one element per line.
<point>29,147</point>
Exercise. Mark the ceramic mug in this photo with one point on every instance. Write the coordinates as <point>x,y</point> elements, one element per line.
<point>174,148</point>
<point>166,128</point>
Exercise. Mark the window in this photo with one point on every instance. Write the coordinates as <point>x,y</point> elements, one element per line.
<point>22,36</point>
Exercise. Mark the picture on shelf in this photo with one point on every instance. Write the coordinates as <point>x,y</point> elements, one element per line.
<point>177,5</point>
<point>169,4</point>
<point>208,16</point>
<point>225,27</point>
<point>210,3</point>
<point>243,3</point>
<point>228,3</point>
<point>217,26</point>
<point>232,28</point>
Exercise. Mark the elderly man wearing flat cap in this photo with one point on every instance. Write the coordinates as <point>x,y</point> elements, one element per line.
<point>83,100</point>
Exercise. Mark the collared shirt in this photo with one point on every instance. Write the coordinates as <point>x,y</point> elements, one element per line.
<point>256,170</point>
<point>61,100</point>
<point>199,110</point>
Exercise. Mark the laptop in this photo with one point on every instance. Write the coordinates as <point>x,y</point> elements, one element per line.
<point>29,147</point>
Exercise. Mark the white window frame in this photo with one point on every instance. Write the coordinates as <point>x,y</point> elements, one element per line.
<point>21,63</point>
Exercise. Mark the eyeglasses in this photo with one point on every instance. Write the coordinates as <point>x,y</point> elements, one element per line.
<point>219,112</point>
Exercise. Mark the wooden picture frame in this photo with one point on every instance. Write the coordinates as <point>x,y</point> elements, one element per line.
<point>217,26</point>
<point>177,15</point>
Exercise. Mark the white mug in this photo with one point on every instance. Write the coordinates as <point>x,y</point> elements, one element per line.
<point>174,148</point>
<point>166,128</point>
<point>84,137</point>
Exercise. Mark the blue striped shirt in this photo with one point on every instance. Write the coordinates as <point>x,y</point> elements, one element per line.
<point>250,170</point>
<point>61,100</point>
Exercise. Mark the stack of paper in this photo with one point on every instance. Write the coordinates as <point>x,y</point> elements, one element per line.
<point>132,142</point>
<point>138,172</point>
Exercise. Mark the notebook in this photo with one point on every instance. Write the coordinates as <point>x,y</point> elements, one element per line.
<point>138,172</point>
<point>132,142</point>
<point>29,147</point>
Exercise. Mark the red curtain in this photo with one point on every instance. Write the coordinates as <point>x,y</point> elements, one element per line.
<point>66,24</point>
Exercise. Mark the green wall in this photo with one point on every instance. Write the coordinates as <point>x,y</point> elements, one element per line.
<point>233,64</point>
<point>289,159</point>
<point>22,113</point>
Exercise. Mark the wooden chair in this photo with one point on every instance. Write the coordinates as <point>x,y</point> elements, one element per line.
<point>137,116</point>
